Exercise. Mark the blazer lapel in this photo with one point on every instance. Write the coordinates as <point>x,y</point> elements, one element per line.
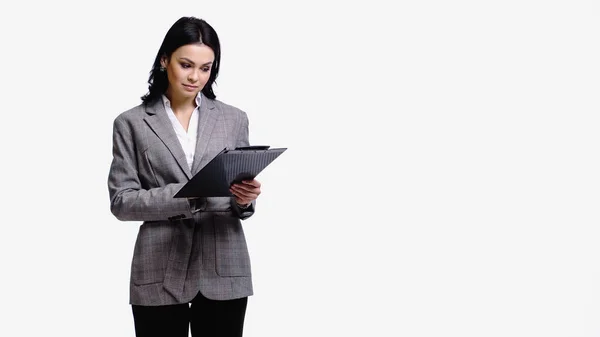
<point>207,120</point>
<point>159,122</point>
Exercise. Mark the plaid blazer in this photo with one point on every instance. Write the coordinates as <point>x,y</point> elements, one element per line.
<point>182,246</point>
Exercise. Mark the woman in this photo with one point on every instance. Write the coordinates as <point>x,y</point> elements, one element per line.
<point>190,263</point>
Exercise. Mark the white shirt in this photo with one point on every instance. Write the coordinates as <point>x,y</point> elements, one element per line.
<point>186,139</point>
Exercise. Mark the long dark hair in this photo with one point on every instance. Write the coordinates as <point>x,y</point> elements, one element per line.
<point>186,30</point>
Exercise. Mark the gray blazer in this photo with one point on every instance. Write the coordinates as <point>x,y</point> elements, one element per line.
<point>183,246</point>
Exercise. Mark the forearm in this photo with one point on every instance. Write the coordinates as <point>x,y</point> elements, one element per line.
<point>151,205</point>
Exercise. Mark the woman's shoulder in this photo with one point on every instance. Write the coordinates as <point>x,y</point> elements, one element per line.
<point>229,109</point>
<point>133,113</point>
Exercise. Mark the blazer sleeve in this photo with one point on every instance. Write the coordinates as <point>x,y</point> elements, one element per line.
<point>243,140</point>
<point>128,201</point>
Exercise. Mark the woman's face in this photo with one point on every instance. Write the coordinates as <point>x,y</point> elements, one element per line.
<point>188,70</point>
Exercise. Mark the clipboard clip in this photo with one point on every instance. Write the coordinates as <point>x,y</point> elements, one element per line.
<point>253,147</point>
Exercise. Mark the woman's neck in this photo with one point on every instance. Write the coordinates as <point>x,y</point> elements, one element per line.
<point>181,103</point>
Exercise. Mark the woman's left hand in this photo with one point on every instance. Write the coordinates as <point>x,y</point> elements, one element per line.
<point>246,192</point>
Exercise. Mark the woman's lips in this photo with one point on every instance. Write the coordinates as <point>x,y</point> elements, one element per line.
<point>190,87</point>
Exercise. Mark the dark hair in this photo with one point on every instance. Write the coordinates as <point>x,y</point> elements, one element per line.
<point>186,30</point>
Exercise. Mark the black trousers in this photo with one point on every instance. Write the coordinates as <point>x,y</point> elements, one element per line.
<point>207,318</point>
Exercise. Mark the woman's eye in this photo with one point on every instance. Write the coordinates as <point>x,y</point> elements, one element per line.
<point>206,69</point>
<point>185,65</point>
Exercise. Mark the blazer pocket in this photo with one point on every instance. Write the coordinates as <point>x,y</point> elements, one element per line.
<point>232,257</point>
<point>151,254</point>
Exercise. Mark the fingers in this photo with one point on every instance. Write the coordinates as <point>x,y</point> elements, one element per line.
<point>251,186</point>
<point>247,188</point>
<point>252,182</point>
<point>241,199</point>
<point>246,192</point>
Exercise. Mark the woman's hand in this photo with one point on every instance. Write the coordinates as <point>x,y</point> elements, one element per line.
<point>246,192</point>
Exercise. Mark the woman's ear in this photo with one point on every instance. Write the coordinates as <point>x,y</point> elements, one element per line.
<point>164,61</point>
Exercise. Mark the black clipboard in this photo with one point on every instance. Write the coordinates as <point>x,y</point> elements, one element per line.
<point>226,168</point>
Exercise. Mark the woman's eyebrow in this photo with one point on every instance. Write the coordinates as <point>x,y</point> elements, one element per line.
<point>192,62</point>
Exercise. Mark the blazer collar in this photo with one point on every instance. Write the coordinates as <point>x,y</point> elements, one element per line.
<point>207,120</point>
<point>159,122</point>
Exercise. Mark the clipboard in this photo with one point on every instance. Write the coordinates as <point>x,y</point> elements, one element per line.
<point>228,167</point>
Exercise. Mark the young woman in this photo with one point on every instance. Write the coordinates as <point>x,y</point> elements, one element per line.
<point>190,262</point>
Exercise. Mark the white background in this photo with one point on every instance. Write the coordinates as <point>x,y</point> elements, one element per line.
<point>442,177</point>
